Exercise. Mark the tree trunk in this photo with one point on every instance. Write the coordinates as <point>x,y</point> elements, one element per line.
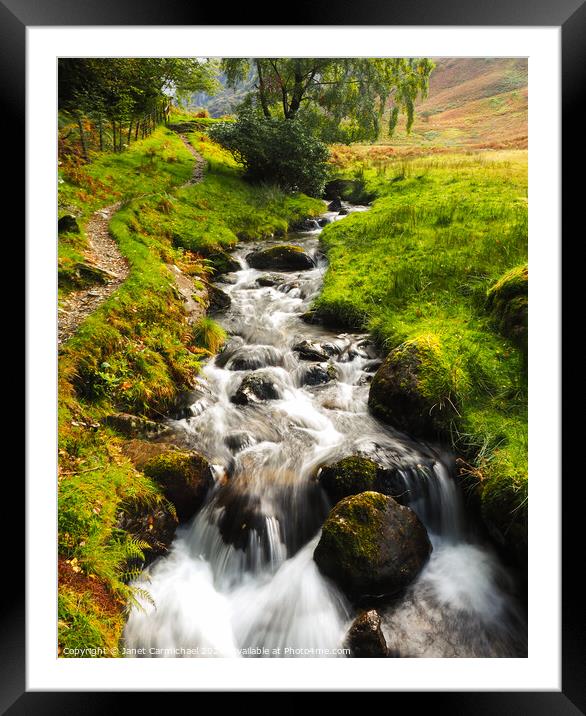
<point>129,131</point>
<point>113,123</point>
<point>101,130</point>
<point>136,130</point>
<point>261,91</point>
<point>82,137</point>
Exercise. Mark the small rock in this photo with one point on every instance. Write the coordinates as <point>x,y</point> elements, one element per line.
<point>365,638</point>
<point>310,351</point>
<point>132,426</point>
<point>218,300</point>
<point>67,224</point>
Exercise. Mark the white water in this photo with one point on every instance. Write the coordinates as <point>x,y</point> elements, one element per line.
<point>240,579</point>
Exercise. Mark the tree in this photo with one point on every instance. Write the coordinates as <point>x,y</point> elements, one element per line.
<point>127,94</point>
<point>342,99</point>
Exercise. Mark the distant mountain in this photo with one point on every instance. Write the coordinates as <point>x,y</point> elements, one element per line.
<point>472,102</point>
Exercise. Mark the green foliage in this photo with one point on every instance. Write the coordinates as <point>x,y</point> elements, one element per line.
<point>417,268</point>
<point>341,99</point>
<point>209,334</point>
<point>285,153</point>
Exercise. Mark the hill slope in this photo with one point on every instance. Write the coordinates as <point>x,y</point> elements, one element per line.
<point>472,103</point>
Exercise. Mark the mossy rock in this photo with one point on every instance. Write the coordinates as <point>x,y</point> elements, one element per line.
<point>185,478</point>
<point>414,391</point>
<point>372,546</point>
<point>355,474</point>
<point>507,300</point>
<point>503,504</point>
<point>221,263</point>
<point>285,257</point>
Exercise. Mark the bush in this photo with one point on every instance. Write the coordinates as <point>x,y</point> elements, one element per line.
<point>280,151</point>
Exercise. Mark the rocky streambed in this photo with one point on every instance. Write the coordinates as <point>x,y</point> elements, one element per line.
<point>309,527</point>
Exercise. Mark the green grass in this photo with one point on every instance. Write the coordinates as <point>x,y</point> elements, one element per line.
<point>419,267</point>
<point>136,352</point>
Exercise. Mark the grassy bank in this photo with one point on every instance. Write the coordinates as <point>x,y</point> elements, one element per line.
<point>417,270</point>
<point>136,351</point>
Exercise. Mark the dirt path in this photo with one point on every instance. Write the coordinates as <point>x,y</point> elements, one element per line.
<point>104,253</point>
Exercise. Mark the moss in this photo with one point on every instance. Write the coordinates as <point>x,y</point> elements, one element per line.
<point>418,387</point>
<point>352,529</point>
<point>349,476</point>
<point>507,300</point>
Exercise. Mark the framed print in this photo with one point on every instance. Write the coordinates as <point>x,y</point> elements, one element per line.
<point>286,375</point>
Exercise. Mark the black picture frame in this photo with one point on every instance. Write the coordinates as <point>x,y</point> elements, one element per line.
<point>570,15</point>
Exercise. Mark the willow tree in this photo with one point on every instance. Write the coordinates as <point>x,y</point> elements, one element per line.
<point>342,99</point>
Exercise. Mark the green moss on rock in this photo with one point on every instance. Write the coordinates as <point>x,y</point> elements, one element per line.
<point>416,389</point>
<point>371,545</point>
<point>185,478</point>
<point>507,300</point>
<point>284,257</point>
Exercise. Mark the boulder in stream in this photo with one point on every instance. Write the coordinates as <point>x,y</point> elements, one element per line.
<point>285,257</point>
<point>185,478</point>
<point>372,546</point>
<point>255,388</point>
<point>365,638</point>
<point>310,351</point>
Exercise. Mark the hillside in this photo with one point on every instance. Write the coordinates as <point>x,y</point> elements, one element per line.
<point>472,103</point>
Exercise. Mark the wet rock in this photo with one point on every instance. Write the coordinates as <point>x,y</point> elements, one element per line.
<point>372,546</point>
<point>132,426</point>
<point>68,224</point>
<point>255,388</point>
<point>305,225</point>
<point>218,300</point>
<point>344,211</point>
<point>185,477</point>
<point>335,204</point>
<point>324,221</point>
<point>239,441</point>
<point>222,263</point>
<point>310,351</point>
<point>355,474</point>
<point>269,279</point>
<point>365,638</point>
<point>318,374</point>
<point>154,525</point>
<point>285,257</point>
<point>252,358</point>
<point>507,302</point>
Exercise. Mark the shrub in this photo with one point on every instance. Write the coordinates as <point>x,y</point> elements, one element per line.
<point>278,151</point>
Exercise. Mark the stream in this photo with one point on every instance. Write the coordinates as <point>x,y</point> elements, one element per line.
<point>239,579</point>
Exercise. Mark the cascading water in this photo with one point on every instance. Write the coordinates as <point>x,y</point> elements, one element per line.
<point>240,579</point>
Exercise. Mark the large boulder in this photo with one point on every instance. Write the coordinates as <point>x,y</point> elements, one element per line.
<point>372,546</point>
<point>365,638</point>
<point>185,478</point>
<point>255,388</point>
<point>318,374</point>
<point>310,351</point>
<point>285,257</point>
<point>355,474</point>
<point>411,389</point>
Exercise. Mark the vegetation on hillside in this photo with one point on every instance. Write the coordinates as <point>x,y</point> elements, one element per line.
<point>136,352</point>
<point>425,266</point>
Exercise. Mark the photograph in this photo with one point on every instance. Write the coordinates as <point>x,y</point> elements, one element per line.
<point>292,357</point>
